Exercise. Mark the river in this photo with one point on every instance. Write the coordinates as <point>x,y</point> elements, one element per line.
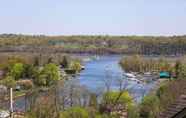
<point>100,71</point>
<point>107,68</point>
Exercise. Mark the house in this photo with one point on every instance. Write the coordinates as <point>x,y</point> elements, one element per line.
<point>164,74</point>
<point>176,110</point>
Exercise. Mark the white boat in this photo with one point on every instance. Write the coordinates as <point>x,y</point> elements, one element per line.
<point>82,67</point>
<point>129,75</point>
<point>86,59</point>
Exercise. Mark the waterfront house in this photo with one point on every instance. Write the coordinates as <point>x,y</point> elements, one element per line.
<point>176,109</point>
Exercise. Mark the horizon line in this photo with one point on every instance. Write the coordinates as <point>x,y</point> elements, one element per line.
<point>119,35</point>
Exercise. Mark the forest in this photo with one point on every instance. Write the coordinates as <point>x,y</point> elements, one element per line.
<point>144,45</point>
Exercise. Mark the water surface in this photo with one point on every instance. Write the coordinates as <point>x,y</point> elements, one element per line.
<point>99,72</point>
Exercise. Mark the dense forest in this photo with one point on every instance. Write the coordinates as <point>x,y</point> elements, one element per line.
<point>146,45</point>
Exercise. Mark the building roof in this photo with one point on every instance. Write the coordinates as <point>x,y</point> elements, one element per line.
<point>176,110</point>
<point>164,74</point>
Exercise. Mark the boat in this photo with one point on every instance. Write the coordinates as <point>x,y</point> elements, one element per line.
<point>82,67</point>
<point>129,75</point>
<point>86,59</point>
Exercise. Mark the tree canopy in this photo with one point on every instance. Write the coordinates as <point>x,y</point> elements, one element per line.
<point>48,75</point>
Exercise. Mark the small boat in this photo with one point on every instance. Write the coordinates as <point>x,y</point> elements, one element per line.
<point>86,59</point>
<point>82,67</point>
<point>129,75</point>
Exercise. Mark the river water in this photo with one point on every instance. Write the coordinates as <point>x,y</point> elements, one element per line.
<point>97,73</point>
<point>100,72</point>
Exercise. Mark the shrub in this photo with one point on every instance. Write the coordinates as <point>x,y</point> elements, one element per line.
<point>75,112</point>
<point>76,65</point>
<point>8,82</point>
<point>169,92</point>
<point>133,112</point>
<point>16,70</point>
<point>117,98</point>
<point>149,107</point>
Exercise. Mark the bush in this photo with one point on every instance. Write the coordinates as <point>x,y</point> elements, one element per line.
<point>133,112</point>
<point>149,107</point>
<point>8,82</point>
<point>16,70</point>
<point>169,92</point>
<point>75,112</point>
<point>76,65</point>
<point>118,98</point>
<point>29,71</point>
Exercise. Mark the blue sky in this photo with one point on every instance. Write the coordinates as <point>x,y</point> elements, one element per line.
<point>93,17</point>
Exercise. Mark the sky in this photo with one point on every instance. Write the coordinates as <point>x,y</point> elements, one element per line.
<point>93,17</point>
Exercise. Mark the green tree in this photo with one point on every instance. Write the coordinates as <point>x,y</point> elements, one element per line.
<point>149,107</point>
<point>16,70</point>
<point>75,112</point>
<point>133,112</point>
<point>48,75</point>
<point>29,71</point>
<point>76,65</point>
<point>8,81</point>
<point>113,97</point>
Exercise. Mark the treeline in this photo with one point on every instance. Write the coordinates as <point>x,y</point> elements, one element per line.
<point>146,45</point>
<point>141,64</point>
<point>36,58</point>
